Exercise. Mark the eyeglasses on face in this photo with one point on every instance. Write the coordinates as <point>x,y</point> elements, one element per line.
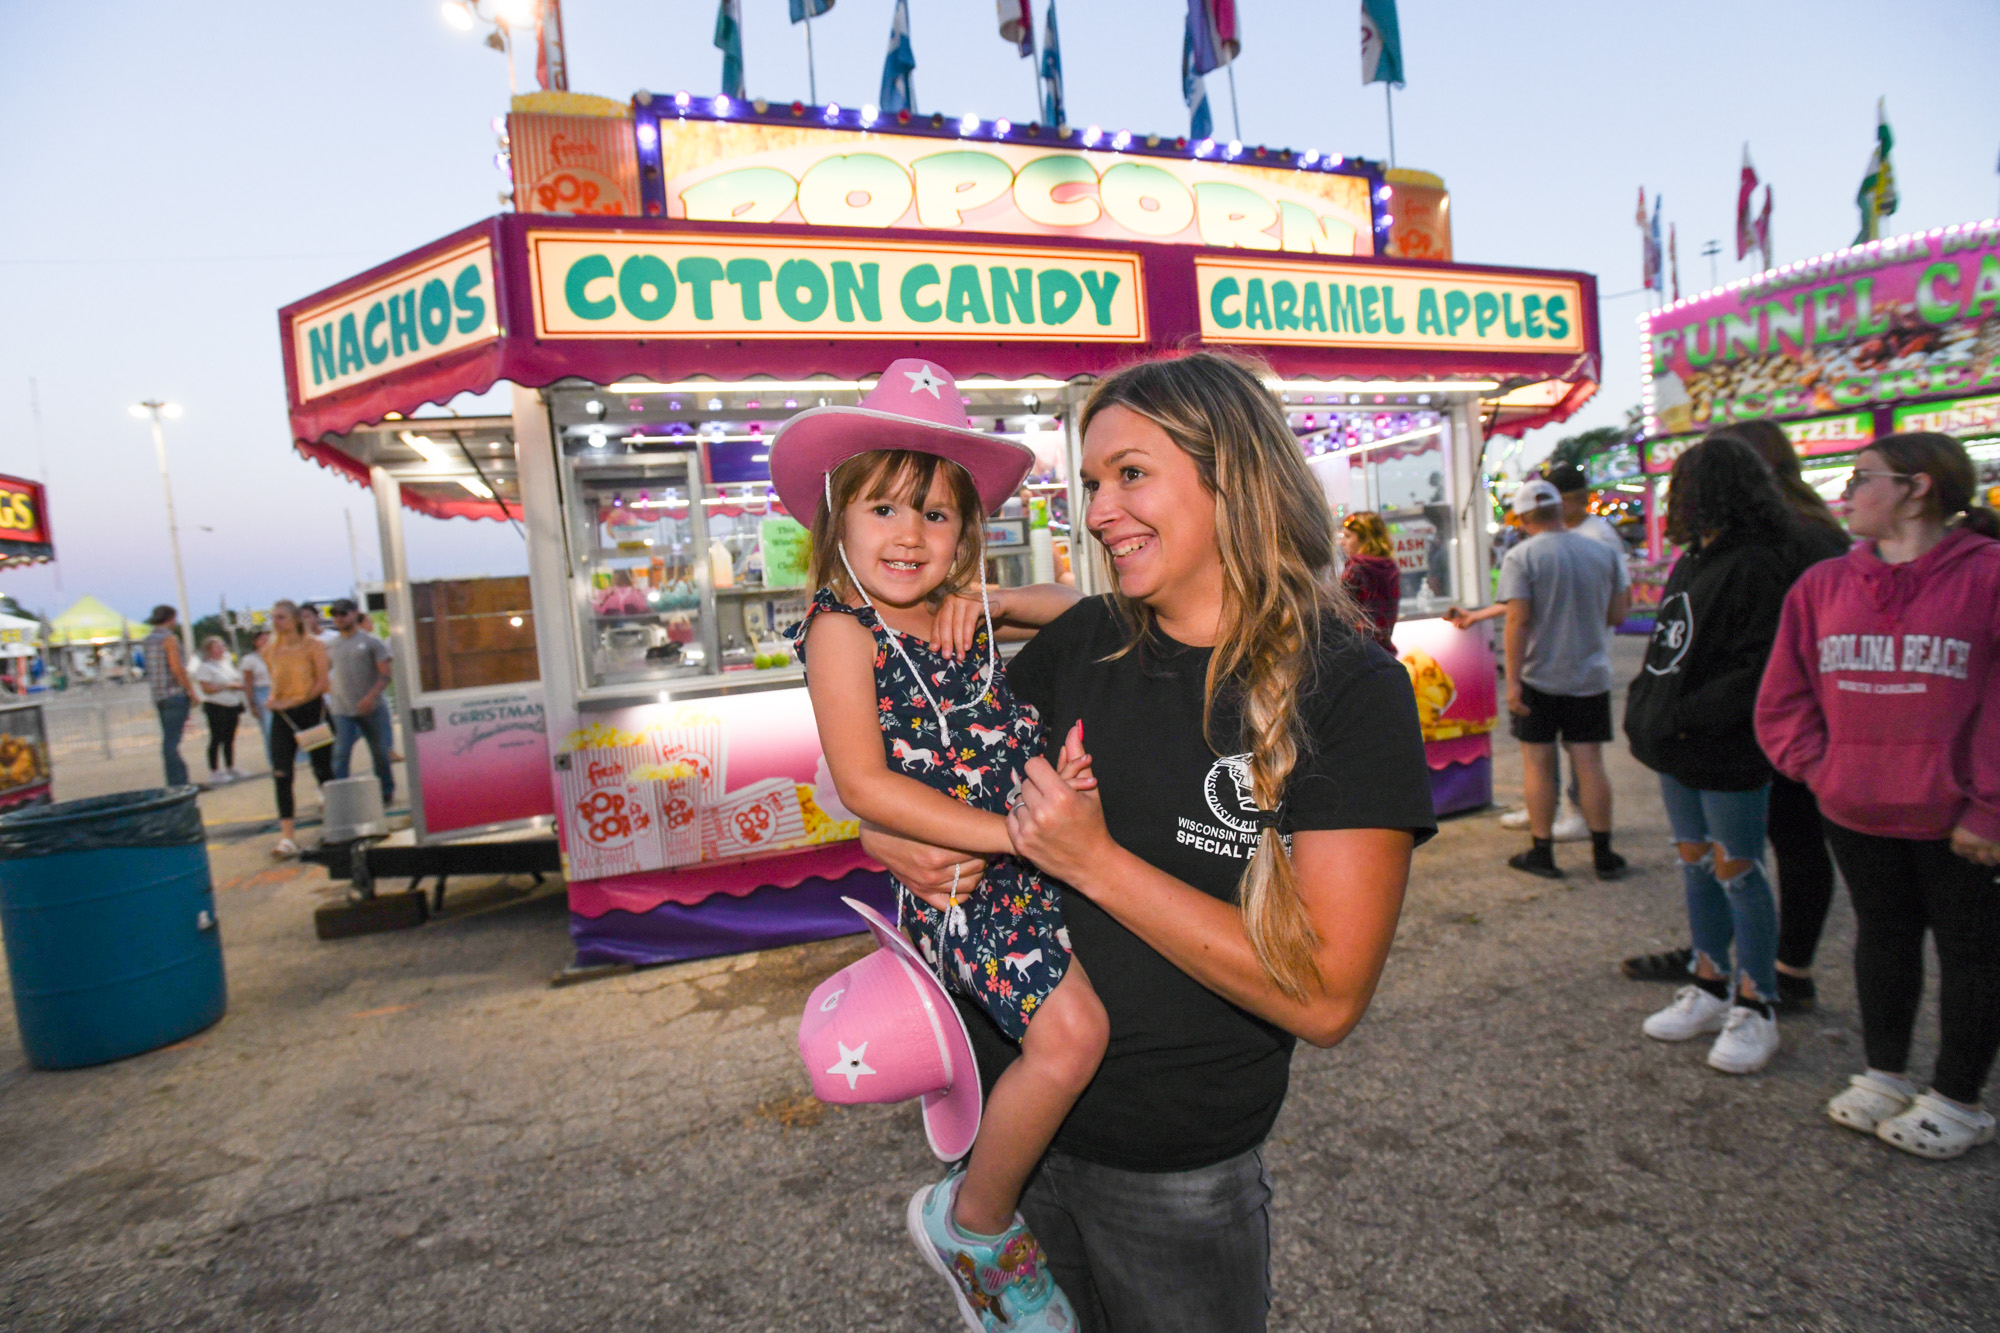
<point>1860,476</point>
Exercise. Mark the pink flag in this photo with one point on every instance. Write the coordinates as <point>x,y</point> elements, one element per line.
<point>1746,236</point>
<point>1017,24</point>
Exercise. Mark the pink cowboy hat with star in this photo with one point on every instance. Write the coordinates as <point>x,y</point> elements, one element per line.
<point>916,406</point>
<point>883,1030</point>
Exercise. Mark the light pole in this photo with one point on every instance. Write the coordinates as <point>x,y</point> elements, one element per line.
<point>156,408</point>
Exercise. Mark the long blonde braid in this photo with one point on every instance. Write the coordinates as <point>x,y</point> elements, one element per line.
<point>1276,538</point>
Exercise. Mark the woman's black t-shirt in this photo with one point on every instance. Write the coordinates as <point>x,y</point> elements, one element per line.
<point>1190,1079</point>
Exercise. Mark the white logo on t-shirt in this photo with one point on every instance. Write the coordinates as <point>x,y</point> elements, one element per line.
<point>1229,794</point>
<point>1673,630</point>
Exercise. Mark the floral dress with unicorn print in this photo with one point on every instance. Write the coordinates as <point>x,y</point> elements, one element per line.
<point>1004,946</point>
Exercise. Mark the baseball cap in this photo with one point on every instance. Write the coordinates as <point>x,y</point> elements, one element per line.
<point>1535,494</point>
<point>1568,478</point>
<point>161,614</point>
<point>344,606</point>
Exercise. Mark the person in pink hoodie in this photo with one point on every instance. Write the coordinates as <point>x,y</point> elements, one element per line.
<point>1883,696</point>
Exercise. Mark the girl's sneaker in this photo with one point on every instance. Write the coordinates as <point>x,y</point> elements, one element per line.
<point>1694,1013</point>
<point>1936,1128</point>
<point>1868,1101</point>
<point>1003,1283</point>
<point>1748,1041</point>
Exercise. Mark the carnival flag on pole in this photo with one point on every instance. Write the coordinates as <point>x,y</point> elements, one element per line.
<point>1216,39</point>
<point>1653,254</point>
<point>551,69</point>
<point>900,65</point>
<point>1194,90</point>
<point>1649,244</point>
<point>729,40</point>
<point>1674,259</point>
<point>1381,44</point>
<point>809,9</point>
<point>1746,234</point>
<point>1017,25</point>
<point>1762,229</point>
<point>1052,83</point>
<point>1877,196</point>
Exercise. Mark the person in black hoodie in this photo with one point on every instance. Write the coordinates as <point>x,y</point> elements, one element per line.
<point>1798,838</point>
<point>1689,718</point>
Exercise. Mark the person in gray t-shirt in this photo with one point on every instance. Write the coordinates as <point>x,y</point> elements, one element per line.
<point>1562,592</point>
<point>358,669</point>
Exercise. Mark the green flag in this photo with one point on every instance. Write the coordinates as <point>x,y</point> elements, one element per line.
<point>729,40</point>
<point>1877,197</point>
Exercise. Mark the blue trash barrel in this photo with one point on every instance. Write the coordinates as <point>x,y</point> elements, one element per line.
<point>109,918</point>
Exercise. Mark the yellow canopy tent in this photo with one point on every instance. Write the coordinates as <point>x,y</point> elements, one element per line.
<point>91,621</point>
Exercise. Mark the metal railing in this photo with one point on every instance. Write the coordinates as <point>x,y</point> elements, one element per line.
<point>100,721</point>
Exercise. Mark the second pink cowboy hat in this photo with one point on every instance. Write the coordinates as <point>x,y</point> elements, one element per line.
<point>883,1030</point>
<point>914,406</point>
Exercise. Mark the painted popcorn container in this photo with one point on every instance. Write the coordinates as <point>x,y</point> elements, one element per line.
<point>756,819</point>
<point>694,737</point>
<point>611,824</point>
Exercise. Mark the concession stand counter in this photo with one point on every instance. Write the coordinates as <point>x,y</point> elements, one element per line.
<point>633,697</point>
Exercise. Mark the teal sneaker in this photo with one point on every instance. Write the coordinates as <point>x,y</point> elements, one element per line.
<point>998,1284</point>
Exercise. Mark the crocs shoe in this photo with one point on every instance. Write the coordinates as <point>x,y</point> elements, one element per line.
<point>999,1284</point>
<point>1935,1128</point>
<point>1693,1013</point>
<point>1869,1100</point>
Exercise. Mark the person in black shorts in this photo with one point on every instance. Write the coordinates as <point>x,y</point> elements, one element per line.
<point>1562,595</point>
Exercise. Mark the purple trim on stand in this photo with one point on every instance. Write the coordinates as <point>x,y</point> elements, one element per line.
<point>1457,787</point>
<point>762,919</point>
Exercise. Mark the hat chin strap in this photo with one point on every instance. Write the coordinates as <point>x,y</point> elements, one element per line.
<point>896,639</point>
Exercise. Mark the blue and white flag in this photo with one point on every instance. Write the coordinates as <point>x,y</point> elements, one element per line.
<point>1216,38</point>
<point>1052,87</point>
<point>809,9</point>
<point>1381,44</point>
<point>898,87</point>
<point>729,40</point>
<point>1194,90</point>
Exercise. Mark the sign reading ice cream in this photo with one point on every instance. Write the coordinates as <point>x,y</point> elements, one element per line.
<point>438,306</point>
<point>1336,305</point>
<point>634,285</point>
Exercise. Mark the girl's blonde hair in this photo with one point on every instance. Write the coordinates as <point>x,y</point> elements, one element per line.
<point>1275,534</point>
<point>901,476</point>
<point>298,621</point>
<point>1371,534</point>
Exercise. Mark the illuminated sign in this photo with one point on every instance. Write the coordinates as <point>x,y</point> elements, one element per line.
<point>631,285</point>
<point>1335,305</point>
<point>445,303</point>
<point>1830,435</point>
<point>1969,416</point>
<point>24,524</point>
<point>722,172</point>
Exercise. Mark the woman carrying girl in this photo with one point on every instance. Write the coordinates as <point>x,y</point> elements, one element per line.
<point>929,742</point>
<point>1233,881</point>
<point>298,666</point>
<point>1883,697</point>
<point>1688,718</point>
<point>1369,574</point>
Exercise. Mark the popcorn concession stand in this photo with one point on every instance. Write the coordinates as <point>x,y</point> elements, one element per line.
<point>633,697</point>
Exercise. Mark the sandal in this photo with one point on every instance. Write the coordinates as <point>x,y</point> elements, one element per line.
<point>1673,965</point>
<point>1868,1101</point>
<point>285,850</point>
<point>1937,1129</point>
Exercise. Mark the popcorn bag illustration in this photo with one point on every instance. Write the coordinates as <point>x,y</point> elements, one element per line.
<point>758,818</point>
<point>694,737</point>
<point>612,827</point>
<point>678,806</point>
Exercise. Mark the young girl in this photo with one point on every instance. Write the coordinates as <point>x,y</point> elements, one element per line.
<point>928,743</point>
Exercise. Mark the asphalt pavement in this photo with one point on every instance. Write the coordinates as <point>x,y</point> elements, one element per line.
<point>416,1131</point>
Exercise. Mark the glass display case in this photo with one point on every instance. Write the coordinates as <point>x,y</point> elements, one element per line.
<point>1397,464</point>
<point>685,572</point>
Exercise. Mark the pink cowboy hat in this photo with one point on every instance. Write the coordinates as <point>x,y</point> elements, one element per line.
<point>915,406</point>
<point>883,1030</point>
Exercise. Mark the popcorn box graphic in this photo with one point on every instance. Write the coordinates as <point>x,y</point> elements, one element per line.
<point>609,819</point>
<point>695,738</point>
<point>759,818</point>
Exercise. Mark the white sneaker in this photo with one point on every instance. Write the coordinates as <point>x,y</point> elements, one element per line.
<point>1936,1128</point>
<point>1693,1013</point>
<point>1569,825</point>
<point>1869,1100</point>
<point>1515,819</point>
<point>1748,1041</point>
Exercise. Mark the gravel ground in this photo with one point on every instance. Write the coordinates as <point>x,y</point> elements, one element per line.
<point>414,1131</point>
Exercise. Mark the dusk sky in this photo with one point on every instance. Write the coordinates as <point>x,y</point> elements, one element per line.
<point>178,172</point>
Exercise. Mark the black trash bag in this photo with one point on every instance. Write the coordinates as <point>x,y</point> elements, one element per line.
<point>156,817</point>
